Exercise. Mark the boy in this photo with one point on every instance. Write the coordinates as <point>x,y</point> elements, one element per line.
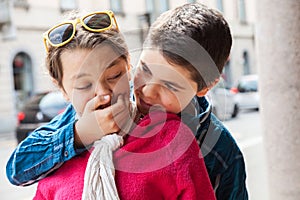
<point>223,159</point>
<point>93,61</point>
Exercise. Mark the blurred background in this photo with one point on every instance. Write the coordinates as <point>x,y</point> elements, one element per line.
<point>22,23</point>
<point>24,83</point>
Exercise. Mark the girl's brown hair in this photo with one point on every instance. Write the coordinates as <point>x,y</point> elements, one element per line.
<point>84,39</point>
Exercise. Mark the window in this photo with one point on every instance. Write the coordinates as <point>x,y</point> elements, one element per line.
<point>246,63</point>
<point>164,5</point>
<point>150,5</point>
<point>156,7</point>
<point>68,5</point>
<point>23,77</point>
<point>116,6</point>
<point>5,12</point>
<point>248,86</point>
<point>242,11</point>
<point>21,4</point>
<point>220,5</point>
<point>227,75</point>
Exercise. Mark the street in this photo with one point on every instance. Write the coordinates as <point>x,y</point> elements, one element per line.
<point>246,129</point>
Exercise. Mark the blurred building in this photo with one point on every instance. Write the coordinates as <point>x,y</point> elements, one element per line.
<point>22,22</point>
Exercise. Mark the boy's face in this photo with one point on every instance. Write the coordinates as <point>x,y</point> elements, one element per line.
<point>161,84</point>
<point>88,73</point>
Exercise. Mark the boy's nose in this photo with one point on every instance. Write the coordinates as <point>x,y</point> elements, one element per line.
<point>151,90</point>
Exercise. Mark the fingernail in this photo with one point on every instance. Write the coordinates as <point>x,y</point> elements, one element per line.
<point>106,97</point>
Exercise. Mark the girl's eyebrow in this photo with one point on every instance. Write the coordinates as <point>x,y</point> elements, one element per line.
<point>78,76</point>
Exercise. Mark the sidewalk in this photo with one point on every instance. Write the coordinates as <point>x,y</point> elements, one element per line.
<point>7,136</point>
<point>9,191</point>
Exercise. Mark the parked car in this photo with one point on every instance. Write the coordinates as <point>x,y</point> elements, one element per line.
<point>223,102</point>
<point>247,95</point>
<point>38,110</point>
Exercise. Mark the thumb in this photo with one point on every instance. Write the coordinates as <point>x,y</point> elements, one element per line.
<point>98,102</point>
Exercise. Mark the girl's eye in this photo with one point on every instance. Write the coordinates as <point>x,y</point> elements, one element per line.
<point>171,87</point>
<point>84,87</point>
<point>115,76</point>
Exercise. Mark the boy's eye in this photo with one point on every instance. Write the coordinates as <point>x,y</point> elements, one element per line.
<point>145,68</point>
<point>87,86</point>
<point>171,87</point>
<point>115,76</point>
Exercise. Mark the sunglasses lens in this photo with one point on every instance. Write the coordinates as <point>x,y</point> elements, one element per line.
<point>61,33</point>
<point>97,21</point>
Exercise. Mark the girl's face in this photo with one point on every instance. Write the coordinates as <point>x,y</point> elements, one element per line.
<point>89,73</point>
<point>162,85</point>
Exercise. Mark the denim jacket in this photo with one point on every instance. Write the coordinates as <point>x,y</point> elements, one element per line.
<point>54,145</point>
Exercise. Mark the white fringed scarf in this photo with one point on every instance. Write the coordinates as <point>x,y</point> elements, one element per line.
<point>99,178</point>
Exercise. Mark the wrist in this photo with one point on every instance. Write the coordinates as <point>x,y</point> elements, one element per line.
<point>84,134</point>
<point>77,141</point>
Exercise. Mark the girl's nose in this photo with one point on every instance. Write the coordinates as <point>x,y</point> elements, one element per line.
<point>102,89</point>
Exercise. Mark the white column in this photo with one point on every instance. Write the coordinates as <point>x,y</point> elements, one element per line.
<point>278,45</point>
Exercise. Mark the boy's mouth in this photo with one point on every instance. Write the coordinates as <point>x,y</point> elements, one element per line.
<point>145,105</point>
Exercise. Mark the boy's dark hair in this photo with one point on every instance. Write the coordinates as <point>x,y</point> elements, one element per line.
<point>193,36</point>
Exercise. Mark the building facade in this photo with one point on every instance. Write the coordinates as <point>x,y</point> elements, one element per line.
<point>22,22</point>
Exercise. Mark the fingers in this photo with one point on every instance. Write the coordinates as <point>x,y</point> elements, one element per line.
<point>97,102</point>
<point>122,114</point>
<point>118,113</point>
<point>121,104</point>
<point>92,126</point>
<point>97,122</point>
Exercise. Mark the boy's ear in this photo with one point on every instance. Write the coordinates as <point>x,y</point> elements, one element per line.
<point>203,92</point>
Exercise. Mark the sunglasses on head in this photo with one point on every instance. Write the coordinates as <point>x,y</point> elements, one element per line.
<point>63,33</point>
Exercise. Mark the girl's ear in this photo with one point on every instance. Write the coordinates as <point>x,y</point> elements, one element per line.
<point>65,95</point>
<point>203,92</point>
<point>54,82</point>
